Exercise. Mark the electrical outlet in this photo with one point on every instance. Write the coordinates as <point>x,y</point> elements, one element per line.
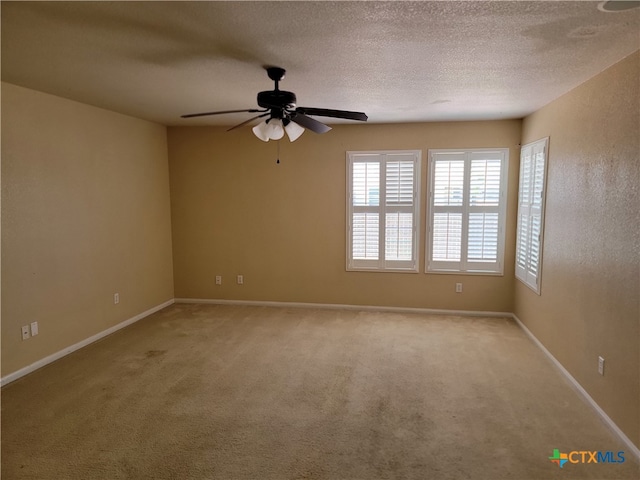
<point>240,279</point>
<point>601,365</point>
<point>218,280</point>
<point>34,329</point>
<point>25,332</point>
<point>458,288</point>
<point>116,298</point>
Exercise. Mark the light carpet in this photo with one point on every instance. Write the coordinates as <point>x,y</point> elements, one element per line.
<point>247,392</point>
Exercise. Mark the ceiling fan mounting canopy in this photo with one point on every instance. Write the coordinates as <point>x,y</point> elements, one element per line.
<point>281,105</point>
<point>275,73</point>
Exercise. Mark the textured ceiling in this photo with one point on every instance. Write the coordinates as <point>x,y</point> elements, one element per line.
<point>396,61</point>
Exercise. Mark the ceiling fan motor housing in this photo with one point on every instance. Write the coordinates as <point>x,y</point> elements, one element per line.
<point>277,99</point>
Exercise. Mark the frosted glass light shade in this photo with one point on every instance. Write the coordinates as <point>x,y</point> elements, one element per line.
<point>272,129</point>
<point>294,131</point>
<point>269,130</point>
<point>276,131</point>
<point>261,132</point>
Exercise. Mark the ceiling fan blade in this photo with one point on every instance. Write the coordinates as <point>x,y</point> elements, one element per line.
<point>325,112</point>
<point>310,123</point>
<point>250,110</point>
<point>248,121</point>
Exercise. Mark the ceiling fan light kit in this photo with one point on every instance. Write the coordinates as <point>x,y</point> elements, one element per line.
<point>274,129</point>
<point>284,115</point>
<point>271,129</point>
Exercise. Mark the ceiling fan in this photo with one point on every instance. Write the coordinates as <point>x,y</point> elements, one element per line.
<point>284,115</point>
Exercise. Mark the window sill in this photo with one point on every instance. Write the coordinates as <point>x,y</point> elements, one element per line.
<point>463,272</point>
<point>382,270</point>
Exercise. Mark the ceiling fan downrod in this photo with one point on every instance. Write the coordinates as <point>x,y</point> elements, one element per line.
<point>276,74</point>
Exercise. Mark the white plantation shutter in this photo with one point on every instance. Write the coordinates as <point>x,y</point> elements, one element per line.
<point>382,209</point>
<point>366,221</point>
<point>483,237</point>
<point>399,236</point>
<point>448,188</point>
<point>366,230</point>
<point>366,183</point>
<point>447,236</point>
<point>448,196</point>
<point>484,210</point>
<point>400,181</point>
<point>531,197</point>
<point>467,202</point>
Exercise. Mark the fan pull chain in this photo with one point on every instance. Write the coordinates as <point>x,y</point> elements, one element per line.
<point>278,158</point>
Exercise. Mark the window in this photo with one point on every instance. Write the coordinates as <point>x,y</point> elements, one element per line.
<point>531,196</point>
<point>383,210</point>
<point>467,206</point>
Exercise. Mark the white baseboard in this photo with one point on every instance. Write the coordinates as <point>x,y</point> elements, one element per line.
<point>333,306</point>
<point>574,383</point>
<point>64,352</point>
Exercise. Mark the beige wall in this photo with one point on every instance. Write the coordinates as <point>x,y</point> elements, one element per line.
<point>85,214</point>
<point>590,299</point>
<point>235,211</point>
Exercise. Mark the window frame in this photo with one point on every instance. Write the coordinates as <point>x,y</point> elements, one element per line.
<point>464,266</point>
<point>382,265</point>
<point>523,272</point>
